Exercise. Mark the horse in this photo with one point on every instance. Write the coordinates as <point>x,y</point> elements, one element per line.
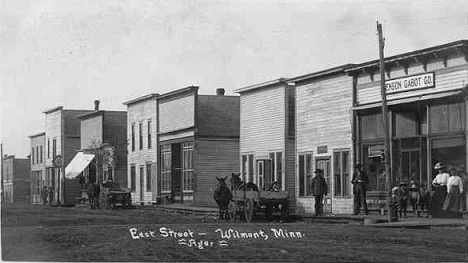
<point>238,184</point>
<point>222,196</point>
<point>93,191</point>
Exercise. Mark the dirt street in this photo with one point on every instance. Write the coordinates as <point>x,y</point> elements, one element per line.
<point>44,233</point>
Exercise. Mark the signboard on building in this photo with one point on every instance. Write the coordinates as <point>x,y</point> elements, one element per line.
<point>421,81</point>
<point>322,149</point>
<point>375,151</point>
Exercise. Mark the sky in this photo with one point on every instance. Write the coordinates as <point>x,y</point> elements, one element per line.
<point>69,53</point>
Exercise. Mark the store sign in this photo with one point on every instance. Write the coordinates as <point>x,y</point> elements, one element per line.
<point>375,151</point>
<point>410,83</point>
<point>322,149</point>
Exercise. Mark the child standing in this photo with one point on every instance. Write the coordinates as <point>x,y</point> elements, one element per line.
<point>403,196</point>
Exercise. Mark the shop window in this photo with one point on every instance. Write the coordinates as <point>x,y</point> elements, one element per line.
<point>187,149</point>
<point>166,171</point>
<point>341,173</point>
<point>452,151</point>
<point>405,124</point>
<point>371,126</point>
<point>305,174</point>
<point>251,168</point>
<point>447,117</point>
<point>133,178</point>
<point>374,167</point>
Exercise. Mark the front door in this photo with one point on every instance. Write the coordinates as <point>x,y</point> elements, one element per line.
<point>324,164</point>
<point>177,173</point>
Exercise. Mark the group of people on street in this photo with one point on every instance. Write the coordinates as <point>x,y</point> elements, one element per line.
<point>360,180</point>
<point>446,199</point>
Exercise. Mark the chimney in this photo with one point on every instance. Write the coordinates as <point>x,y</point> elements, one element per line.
<point>220,92</point>
<point>96,105</point>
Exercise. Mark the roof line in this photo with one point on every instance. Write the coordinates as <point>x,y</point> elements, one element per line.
<point>321,73</point>
<point>142,98</point>
<point>260,85</point>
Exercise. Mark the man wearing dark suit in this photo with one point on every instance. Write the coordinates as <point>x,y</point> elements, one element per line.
<point>319,189</point>
<point>359,181</point>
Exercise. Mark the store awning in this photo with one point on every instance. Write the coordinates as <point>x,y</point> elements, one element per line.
<point>78,164</point>
<point>411,99</point>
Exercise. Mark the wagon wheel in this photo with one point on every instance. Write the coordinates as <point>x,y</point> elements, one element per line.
<point>232,211</point>
<point>248,210</point>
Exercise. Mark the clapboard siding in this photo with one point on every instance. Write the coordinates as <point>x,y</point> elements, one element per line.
<point>446,79</point>
<point>53,130</point>
<point>177,114</point>
<point>137,113</point>
<point>213,158</point>
<point>262,121</point>
<point>324,114</point>
<point>324,118</point>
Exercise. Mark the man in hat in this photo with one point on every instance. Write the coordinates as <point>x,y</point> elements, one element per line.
<point>359,181</point>
<point>403,195</point>
<point>319,188</point>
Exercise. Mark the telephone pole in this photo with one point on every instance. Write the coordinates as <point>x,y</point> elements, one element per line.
<point>385,119</point>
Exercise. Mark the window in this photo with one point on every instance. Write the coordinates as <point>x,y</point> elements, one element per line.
<point>42,160</point>
<point>447,117</point>
<point>110,176</point>
<point>142,179</point>
<point>48,148</point>
<point>247,168</point>
<point>32,155</point>
<point>140,137</point>
<point>54,148</point>
<point>166,171</point>
<point>133,178</point>
<point>149,134</point>
<point>341,173</point>
<point>372,126</point>
<point>277,168</point>
<point>148,177</point>
<point>305,174</point>
<point>291,112</point>
<point>133,137</point>
<point>37,154</point>
<point>187,149</point>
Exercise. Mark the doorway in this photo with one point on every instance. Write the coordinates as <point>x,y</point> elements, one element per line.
<point>324,164</point>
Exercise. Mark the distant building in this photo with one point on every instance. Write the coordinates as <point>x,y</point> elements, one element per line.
<point>16,182</point>
<point>38,167</point>
<point>104,135</point>
<point>193,137</point>
<point>62,129</point>
<point>142,148</point>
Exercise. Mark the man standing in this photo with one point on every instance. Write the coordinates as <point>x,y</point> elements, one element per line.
<point>360,181</point>
<point>44,194</point>
<point>319,188</point>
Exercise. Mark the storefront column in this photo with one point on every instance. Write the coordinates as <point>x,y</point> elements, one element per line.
<point>466,130</point>
<point>428,149</point>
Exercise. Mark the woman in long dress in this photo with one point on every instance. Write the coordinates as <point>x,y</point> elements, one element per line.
<point>453,203</point>
<point>440,187</point>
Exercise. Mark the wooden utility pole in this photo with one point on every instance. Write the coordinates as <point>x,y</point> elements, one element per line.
<point>1,172</point>
<point>386,156</point>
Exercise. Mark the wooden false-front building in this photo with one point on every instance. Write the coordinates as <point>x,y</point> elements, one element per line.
<point>324,137</point>
<point>267,135</point>
<point>427,100</point>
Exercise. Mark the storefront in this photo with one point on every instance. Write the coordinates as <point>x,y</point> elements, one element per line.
<point>427,101</point>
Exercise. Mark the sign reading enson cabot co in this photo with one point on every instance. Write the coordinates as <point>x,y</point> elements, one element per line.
<point>410,83</point>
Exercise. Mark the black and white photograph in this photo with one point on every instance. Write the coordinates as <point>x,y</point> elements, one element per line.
<point>234,131</point>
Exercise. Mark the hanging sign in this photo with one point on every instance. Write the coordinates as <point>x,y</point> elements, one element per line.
<point>410,83</point>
